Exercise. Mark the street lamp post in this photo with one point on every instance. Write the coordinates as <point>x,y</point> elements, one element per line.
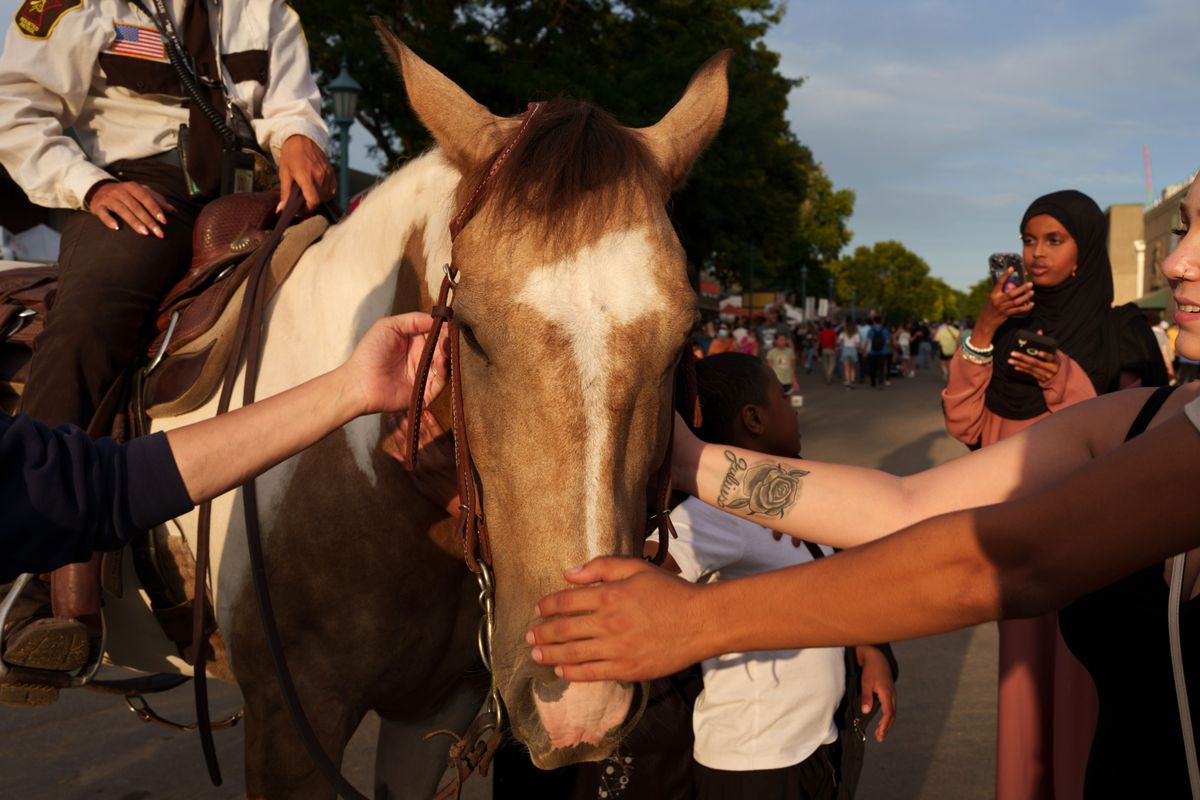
<point>854,304</point>
<point>345,92</point>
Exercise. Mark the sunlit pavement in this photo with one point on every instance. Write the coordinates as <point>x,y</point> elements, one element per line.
<point>91,746</point>
<point>943,742</point>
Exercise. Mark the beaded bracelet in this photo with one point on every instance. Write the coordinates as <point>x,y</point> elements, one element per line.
<point>974,358</point>
<point>982,352</point>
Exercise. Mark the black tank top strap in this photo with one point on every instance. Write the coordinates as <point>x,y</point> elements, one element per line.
<point>1152,406</point>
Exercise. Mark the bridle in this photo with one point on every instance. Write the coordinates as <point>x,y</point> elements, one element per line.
<point>472,527</point>
<point>467,753</point>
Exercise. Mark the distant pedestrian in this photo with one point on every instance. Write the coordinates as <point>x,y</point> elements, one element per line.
<point>827,341</point>
<point>723,342</point>
<point>782,360</point>
<point>947,339</point>
<point>879,351</point>
<point>848,343</point>
<point>904,345</point>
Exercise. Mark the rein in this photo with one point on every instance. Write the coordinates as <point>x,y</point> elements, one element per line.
<point>248,342</point>
<point>468,752</point>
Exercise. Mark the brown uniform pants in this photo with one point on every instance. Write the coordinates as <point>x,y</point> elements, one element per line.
<point>110,283</point>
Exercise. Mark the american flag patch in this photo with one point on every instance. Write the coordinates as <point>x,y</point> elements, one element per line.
<point>138,42</point>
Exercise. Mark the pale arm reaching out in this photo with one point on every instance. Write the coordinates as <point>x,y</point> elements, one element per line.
<point>1127,509</point>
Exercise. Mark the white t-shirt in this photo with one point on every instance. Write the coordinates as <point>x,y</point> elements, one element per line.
<point>761,710</point>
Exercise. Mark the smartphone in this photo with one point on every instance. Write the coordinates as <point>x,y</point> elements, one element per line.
<point>1031,343</point>
<point>998,264</point>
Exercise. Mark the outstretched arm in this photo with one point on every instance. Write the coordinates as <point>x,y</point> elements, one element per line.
<point>1127,509</point>
<point>217,454</point>
<point>845,506</point>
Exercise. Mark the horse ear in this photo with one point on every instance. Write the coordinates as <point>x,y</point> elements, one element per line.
<point>677,139</point>
<point>467,132</point>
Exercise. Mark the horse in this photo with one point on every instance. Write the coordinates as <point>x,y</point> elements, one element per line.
<point>574,305</point>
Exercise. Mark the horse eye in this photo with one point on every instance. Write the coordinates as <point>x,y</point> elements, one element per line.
<point>468,335</point>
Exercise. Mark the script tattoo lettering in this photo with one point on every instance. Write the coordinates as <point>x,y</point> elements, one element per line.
<point>766,487</point>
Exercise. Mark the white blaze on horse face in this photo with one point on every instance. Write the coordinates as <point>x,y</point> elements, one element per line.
<point>602,286</point>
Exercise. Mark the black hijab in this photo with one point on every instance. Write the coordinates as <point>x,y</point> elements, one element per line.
<point>1104,341</point>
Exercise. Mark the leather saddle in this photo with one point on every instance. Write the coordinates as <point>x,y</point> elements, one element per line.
<point>181,369</point>
<point>193,323</point>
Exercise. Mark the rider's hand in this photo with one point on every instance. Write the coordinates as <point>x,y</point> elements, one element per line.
<point>383,366</point>
<point>999,307</point>
<point>302,162</point>
<point>638,622</point>
<point>140,206</point>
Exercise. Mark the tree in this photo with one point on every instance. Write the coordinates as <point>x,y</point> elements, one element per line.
<point>632,57</point>
<point>976,296</point>
<point>894,281</point>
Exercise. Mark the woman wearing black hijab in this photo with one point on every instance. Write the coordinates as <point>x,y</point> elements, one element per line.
<point>1046,698</point>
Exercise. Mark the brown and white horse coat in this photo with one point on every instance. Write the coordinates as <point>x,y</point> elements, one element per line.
<point>575,305</point>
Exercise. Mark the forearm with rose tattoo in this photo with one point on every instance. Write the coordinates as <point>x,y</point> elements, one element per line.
<point>768,488</point>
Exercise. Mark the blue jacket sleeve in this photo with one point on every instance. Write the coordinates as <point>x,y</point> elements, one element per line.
<point>64,496</point>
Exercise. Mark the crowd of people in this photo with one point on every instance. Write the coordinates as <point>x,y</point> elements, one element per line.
<point>847,350</point>
<point>855,352</point>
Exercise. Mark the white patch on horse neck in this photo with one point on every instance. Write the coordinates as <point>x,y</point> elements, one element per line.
<point>588,294</point>
<point>338,289</point>
<point>350,281</point>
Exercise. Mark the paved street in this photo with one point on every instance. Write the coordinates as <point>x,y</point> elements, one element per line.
<point>942,745</point>
<point>89,746</point>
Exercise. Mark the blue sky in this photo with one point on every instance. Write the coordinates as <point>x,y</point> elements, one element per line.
<point>948,118</point>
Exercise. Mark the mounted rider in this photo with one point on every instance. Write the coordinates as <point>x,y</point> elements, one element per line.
<point>172,103</point>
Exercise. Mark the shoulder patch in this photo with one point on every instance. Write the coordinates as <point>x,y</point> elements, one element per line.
<point>37,18</point>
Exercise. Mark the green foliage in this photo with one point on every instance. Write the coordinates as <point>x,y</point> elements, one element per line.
<point>756,195</point>
<point>976,296</point>
<point>895,282</point>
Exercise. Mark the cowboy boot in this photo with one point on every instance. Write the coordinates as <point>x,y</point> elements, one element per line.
<point>45,649</point>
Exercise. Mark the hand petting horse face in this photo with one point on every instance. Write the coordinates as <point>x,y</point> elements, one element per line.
<point>574,304</point>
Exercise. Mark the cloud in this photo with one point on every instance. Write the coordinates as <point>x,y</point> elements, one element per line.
<point>960,109</point>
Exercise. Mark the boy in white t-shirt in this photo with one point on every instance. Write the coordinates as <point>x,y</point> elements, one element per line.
<point>765,722</point>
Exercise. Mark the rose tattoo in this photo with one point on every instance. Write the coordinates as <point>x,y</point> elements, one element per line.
<point>767,488</point>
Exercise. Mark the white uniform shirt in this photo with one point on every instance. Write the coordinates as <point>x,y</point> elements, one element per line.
<point>761,710</point>
<point>67,68</point>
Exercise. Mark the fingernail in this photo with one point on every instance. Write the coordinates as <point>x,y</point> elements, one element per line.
<point>158,232</point>
<point>558,671</point>
<point>865,708</point>
<point>529,638</point>
<point>161,218</point>
<point>574,570</point>
<point>536,654</point>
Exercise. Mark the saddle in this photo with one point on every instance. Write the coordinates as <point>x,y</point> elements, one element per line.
<point>179,372</point>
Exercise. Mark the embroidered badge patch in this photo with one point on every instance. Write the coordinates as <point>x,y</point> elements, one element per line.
<point>37,18</point>
<point>138,42</point>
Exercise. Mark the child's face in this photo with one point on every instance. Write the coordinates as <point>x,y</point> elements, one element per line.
<point>781,341</point>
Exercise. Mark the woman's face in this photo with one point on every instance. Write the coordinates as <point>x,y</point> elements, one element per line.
<point>1050,253</point>
<point>1182,271</point>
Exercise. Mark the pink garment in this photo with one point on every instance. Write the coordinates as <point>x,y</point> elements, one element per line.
<point>1047,702</point>
<point>968,418</point>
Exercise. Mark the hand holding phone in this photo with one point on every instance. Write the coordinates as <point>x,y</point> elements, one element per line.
<point>1035,354</point>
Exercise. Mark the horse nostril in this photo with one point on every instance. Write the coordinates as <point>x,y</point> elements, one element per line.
<point>549,691</point>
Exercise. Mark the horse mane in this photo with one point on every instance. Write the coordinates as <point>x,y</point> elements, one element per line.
<point>573,169</point>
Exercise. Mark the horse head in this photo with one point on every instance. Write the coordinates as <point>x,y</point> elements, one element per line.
<point>574,306</point>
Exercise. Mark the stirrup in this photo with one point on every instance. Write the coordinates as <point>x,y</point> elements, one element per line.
<point>23,678</point>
